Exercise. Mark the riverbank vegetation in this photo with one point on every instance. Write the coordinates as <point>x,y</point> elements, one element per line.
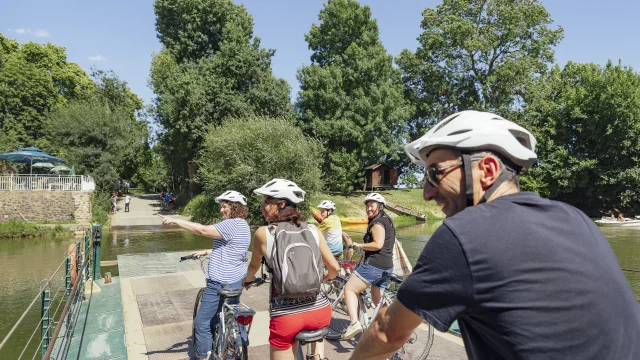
<point>223,120</point>
<point>18,229</point>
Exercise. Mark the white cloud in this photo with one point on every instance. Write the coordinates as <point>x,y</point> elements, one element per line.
<point>36,32</point>
<point>97,58</point>
<point>39,32</point>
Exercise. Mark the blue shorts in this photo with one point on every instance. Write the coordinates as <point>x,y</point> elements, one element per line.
<point>373,275</point>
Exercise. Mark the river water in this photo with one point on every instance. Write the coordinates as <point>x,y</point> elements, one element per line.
<point>25,262</point>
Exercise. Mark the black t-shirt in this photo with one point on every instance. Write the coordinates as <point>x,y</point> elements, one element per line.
<point>383,258</point>
<point>526,278</point>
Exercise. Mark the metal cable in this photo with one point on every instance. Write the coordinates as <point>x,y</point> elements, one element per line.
<point>33,334</point>
<point>631,270</point>
<point>24,314</point>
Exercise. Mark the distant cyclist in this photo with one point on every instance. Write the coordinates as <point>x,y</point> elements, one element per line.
<point>525,277</point>
<point>231,239</point>
<point>332,230</point>
<point>296,302</point>
<point>378,261</point>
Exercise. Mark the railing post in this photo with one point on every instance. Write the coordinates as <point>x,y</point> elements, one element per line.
<point>46,320</point>
<point>87,239</point>
<point>67,279</point>
<point>97,240</point>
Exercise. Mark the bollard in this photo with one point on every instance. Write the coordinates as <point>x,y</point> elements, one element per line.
<point>46,320</point>
<point>96,231</point>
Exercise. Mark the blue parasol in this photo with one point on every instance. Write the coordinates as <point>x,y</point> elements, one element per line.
<point>29,156</point>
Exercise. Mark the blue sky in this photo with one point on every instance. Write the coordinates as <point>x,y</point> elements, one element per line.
<point>120,35</point>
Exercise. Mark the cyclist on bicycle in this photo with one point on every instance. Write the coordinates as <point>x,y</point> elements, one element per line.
<point>231,239</point>
<point>332,229</point>
<point>378,261</point>
<point>290,315</point>
<point>525,277</point>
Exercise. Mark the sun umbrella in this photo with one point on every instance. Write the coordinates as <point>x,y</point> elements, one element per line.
<point>29,155</point>
<point>60,168</point>
<point>42,165</point>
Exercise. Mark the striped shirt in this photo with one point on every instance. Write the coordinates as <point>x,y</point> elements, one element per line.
<point>282,306</point>
<point>227,261</point>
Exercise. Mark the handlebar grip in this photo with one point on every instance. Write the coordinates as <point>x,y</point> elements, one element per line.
<point>188,257</point>
<point>256,282</point>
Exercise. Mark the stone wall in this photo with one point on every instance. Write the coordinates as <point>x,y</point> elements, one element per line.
<point>46,205</point>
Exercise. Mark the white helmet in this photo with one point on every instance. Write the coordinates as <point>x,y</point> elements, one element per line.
<point>327,204</point>
<point>282,189</point>
<point>475,130</point>
<point>375,197</point>
<point>232,196</point>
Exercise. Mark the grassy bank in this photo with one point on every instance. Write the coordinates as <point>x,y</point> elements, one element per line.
<point>18,229</point>
<point>352,206</point>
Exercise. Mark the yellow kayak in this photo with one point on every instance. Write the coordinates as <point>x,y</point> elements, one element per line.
<point>354,221</point>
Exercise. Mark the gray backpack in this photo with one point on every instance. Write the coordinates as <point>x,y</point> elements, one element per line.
<point>297,267</point>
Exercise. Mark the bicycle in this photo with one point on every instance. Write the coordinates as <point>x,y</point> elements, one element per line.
<point>231,334</point>
<point>412,349</point>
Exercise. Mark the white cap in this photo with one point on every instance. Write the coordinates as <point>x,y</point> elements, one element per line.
<point>375,197</point>
<point>232,196</point>
<point>327,204</point>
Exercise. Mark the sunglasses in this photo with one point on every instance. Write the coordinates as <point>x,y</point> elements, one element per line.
<point>433,173</point>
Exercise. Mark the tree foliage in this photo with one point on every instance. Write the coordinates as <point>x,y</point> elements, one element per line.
<point>34,80</point>
<point>351,95</point>
<point>244,154</point>
<point>586,119</point>
<point>211,69</point>
<point>100,133</point>
<point>476,54</point>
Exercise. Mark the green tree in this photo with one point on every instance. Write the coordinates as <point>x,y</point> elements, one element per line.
<point>586,119</point>
<point>351,95</point>
<point>34,80</point>
<point>96,138</point>
<point>476,54</point>
<point>211,69</point>
<point>244,154</point>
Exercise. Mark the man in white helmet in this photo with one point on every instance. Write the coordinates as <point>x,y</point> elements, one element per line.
<point>332,229</point>
<point>526,277</point>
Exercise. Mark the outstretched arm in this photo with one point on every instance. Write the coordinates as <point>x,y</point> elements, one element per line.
<point>198,229</point>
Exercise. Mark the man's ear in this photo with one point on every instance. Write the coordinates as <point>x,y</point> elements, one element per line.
<point>490,169</point>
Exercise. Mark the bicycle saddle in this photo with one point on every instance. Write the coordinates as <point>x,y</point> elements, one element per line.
<point>310,336</point>
<point>229,293</point>
<point>396,278</point>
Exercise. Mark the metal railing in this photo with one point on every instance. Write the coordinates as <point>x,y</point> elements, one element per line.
<point>47,183</point>
<point>56,328</point>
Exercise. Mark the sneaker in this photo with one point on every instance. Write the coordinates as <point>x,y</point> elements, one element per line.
<point>351,331</point>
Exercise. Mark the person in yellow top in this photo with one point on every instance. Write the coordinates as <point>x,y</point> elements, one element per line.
<point>331,228</point>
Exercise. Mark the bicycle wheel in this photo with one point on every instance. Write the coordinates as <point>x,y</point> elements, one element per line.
<point>340,317</point>
<point>234,349</point>
<point>195,312</point>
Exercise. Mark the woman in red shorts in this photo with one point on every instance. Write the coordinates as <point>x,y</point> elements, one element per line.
<point>290,316</point>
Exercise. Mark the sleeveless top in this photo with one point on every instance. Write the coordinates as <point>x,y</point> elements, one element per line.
<point>383,258</point>
<point>281,307</point>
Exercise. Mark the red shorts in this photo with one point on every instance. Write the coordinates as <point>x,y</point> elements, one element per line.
<point>283,329</point>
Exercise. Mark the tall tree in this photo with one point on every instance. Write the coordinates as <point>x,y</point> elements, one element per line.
<point>586,119</point>
<point>476,54</point>
<point>34,80</point>
<point>211,69</point>
<point>351,95</point>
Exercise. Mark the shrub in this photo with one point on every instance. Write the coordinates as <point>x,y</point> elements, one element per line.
<point>244,154</point>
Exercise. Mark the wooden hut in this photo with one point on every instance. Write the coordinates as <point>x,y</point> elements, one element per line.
<point>380,176</point>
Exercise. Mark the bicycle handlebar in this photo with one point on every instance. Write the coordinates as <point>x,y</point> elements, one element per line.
<point>256,282</point>
<point>189,257</point>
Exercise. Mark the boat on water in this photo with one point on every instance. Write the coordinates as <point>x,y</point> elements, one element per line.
<point>354,221</point>
<point>610,222</point>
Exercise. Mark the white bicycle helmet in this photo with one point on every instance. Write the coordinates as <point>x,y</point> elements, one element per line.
<point>375,197</point>
<point>474,130</point>
<point>282,189</point>
<point>232,196</point>
<point>327,204</point>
